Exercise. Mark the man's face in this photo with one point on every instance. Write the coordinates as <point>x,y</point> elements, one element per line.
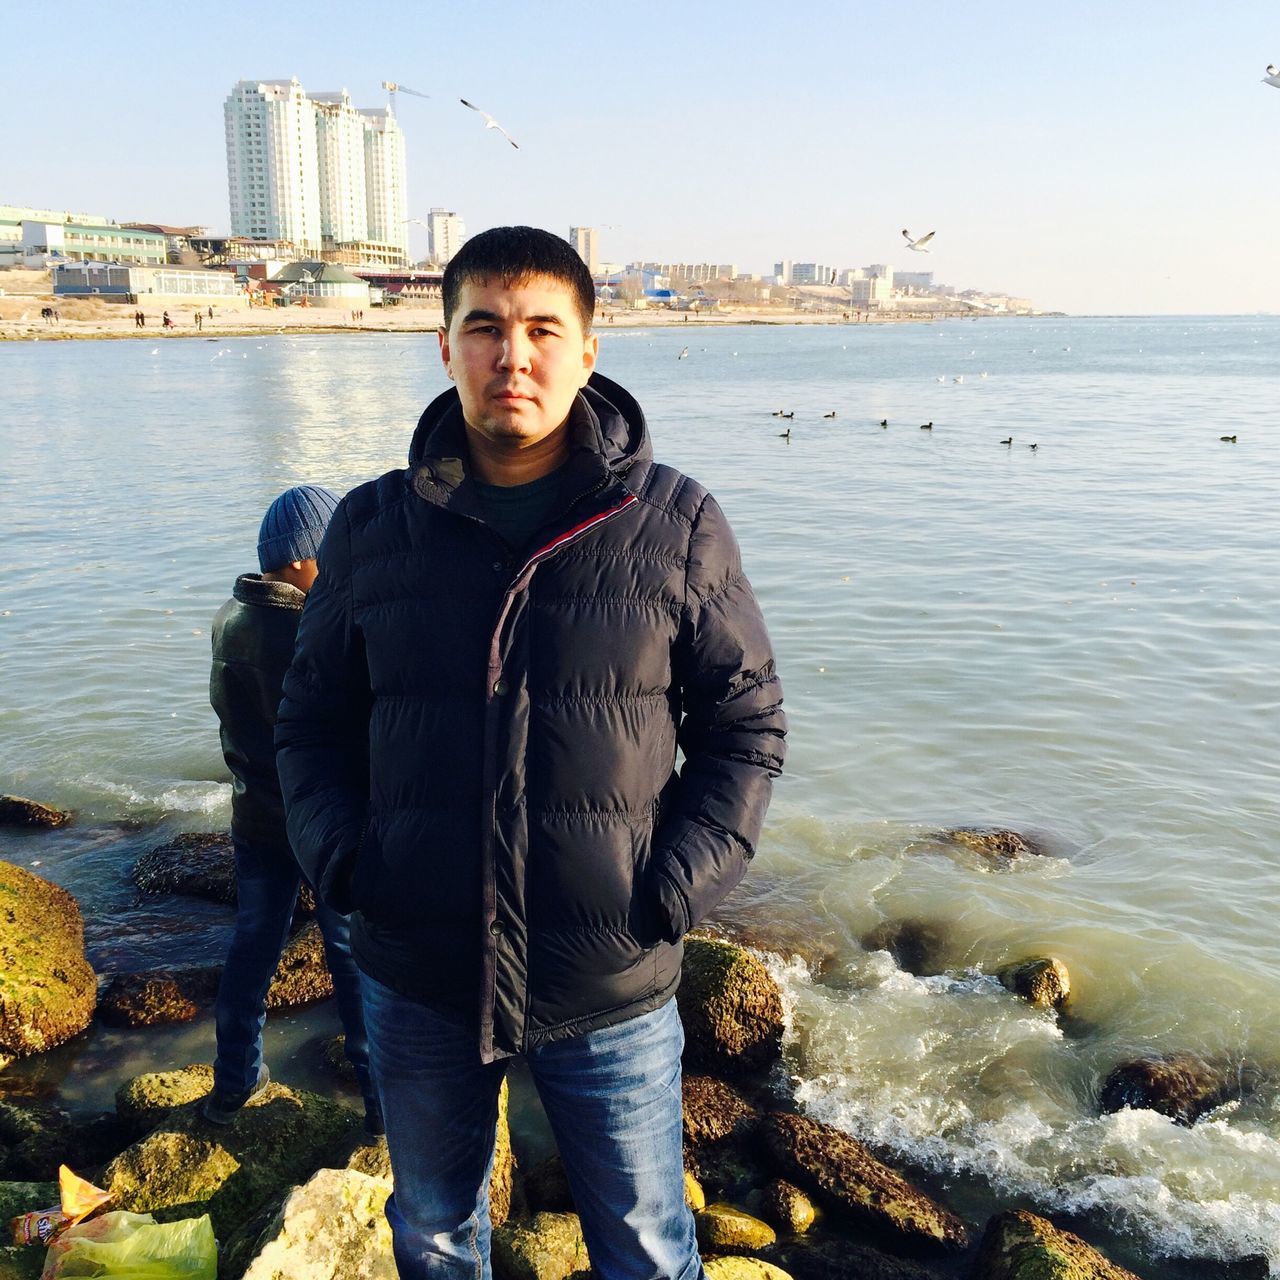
<point>519,356</point>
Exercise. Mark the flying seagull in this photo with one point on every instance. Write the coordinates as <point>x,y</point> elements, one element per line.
<point>490,122</point>
<point>918,246</point>
<point>1272,78</point>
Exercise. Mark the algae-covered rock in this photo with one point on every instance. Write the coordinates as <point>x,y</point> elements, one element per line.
<point>694,1196</point>
<point>332,1228</point>
<point>815,1257</point>
<point>199,864</point>
<point>997,843</point>
<point>333,1053</point>
<point>742,1269</point>
<point>25,1197</point>
<point>731,1009</point>
<point>36,1138</point>
<point>1182,1086</point>
<point>841,1172</point>
<point>787,1207</point>
<point>146,1100</point>
<point>302,976</point>
<point>1019,1245</point>
<point>18,811</point>
<point>187,1166</point>
<point>714,1111</point>
<point>722,1228</point>
<point>24,1262</point>
<point>158,997</point>
<point>1042,981</point>
<point>47,989</point>
<point>548,1246</point>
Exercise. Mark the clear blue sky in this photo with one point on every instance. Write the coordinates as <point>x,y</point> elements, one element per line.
<point>1112,157</point>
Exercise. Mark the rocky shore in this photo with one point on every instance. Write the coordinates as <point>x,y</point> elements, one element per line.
<point>295,1190</point>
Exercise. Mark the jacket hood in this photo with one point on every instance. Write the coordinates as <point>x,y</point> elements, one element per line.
<point>605,419</point>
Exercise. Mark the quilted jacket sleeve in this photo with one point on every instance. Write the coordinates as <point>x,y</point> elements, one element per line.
<point>732,732</point>
<point>322,729</point>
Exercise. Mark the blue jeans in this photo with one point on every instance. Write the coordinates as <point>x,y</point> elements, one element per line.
<point>614,1103</point>
<point>267,889</point>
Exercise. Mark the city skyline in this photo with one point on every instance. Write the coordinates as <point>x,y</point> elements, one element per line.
<point>1096,160</point>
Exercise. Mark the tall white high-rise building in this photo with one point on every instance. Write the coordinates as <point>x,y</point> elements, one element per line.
<point>446,234</point>
<point>272,163</point>
<point>586,242</point>
<point>340,145</point>
<point>384,167</point>
<point>317,171</point>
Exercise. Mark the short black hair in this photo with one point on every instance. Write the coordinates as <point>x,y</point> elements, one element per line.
<point>514,255</point>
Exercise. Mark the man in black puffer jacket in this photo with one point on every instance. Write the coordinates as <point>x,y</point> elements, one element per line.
<point>507,644</point>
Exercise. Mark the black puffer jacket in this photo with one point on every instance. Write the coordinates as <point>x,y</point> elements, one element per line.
<point>478,750</point>
<point>253,635</point>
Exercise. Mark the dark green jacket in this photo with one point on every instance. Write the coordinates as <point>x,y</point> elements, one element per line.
<point>253,637</point>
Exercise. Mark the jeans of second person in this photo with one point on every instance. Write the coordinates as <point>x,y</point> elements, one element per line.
<point>613,1099</point>
<point>267,884</point>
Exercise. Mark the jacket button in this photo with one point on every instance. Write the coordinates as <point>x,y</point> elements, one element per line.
<point>500,687</point>
<point>498,566</point>
<point>496,928</point>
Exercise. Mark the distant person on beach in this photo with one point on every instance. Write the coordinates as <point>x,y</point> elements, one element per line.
<point>165,322</point>
<point>253,636</point>
<point>506,643</point>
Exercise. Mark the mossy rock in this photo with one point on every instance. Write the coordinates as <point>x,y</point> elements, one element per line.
<point>714,1110</point>
<point>35,1139</point>
<point>24,1262</point>
<point>333,1226</point>
<point>694,1196</point>
<point>722,1228</point>
<point>843,1174</point>
<point>188,1166</point>
<point>1019,1245</point>
<point>1042,981</point>
<point>548,1246</point>
<point>158,997</point>
<point>302,976</point>
<point>742,1269</point>
<point>731,1009</point>
<point>1000,844</point>
<point>787,1207</point>
<point>18,811</point>
<point>146,1100</point>
<point>25,1197</point>
<point>828,1257</point>
<point>47,989</point>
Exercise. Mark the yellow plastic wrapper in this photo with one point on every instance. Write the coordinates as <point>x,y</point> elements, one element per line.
<point>134,1246</point>
<point>79,1199</point>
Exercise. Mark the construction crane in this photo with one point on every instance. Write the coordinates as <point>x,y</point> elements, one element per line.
<point>393,88</point>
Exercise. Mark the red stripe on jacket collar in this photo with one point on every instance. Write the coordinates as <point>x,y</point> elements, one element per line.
<point>570,534</point>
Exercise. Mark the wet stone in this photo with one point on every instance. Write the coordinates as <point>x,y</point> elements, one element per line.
<point>17,811</point>
<point>1182,1086</point>
<point>1043,982</point>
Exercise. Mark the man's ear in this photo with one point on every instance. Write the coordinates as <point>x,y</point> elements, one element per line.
<point>590,354</point>
<point>443,334</point>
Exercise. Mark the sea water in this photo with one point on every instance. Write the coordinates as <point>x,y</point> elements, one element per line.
<point>1074,639</point>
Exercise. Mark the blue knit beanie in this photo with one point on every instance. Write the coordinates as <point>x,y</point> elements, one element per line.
<point>293,526</point>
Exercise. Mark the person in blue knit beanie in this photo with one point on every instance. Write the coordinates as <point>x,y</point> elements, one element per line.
<point>253,637</point>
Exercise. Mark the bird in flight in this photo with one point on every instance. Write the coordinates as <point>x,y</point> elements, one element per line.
<point>918,246</point>
<point>490,122</point>
<point>1272,78</point>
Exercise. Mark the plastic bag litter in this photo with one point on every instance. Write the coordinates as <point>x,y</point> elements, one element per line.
<point>134,1246</point>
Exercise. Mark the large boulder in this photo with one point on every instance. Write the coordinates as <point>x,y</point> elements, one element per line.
<point>733,1268</point>
<point>17,811</point>
<point>47,989</point>
<point>843,1174</point>
<point>187,1167</point>
<point>1182,1086</point>
<point>1018,1245</point>
<point>1042,981</point>
<point>36,1138</point>
<point>331,1228</point>
<point>719,1137</point>
<point>158,997</point>
<point>731,1009</point>
<point>548,1246</point>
